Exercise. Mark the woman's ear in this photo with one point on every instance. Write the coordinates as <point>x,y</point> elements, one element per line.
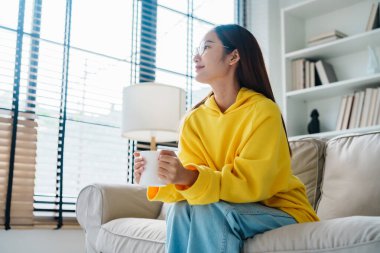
<point>235,57</point>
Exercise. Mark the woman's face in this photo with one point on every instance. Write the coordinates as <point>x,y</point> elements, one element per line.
<point>211,64</point>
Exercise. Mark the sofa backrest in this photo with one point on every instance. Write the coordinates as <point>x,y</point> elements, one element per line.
<point>307,164</point>
<point>350,184</point>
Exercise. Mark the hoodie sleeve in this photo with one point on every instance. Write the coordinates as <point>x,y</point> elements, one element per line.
<point>166,193</point>
<point>169,193</point>
<point>260,169</point>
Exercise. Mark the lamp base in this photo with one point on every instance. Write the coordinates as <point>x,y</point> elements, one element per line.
<point>153,144</point>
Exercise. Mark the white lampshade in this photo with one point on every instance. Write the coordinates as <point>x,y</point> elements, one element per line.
<point>152,110</point>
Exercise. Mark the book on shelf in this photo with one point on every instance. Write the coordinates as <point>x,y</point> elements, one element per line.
<point>371,114</point>
<point>307,74</point>
<point>304,74</point>
<point>342,108</point>
<point>301,74</point>
<point>312,74</point>
<point>327,34</point>
<point>322,41</point>
<point>376,120</point>
<point>347,112</point>
<point>359,110</point>
<point>298,74</point>
<point>325,72</point>
<point>373,19</point>
<point>326,37</point>
<point>294,75</point>
<point>317,78</point>
<point>366,107</point>
<point>354,112</point>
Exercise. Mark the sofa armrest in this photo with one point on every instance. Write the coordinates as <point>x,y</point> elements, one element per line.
<point>99,203</point>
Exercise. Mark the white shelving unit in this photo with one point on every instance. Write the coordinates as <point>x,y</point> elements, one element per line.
<point>348,56</point>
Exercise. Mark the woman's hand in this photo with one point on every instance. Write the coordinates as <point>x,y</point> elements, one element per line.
<point>139,166</point>
<point>172,172</point>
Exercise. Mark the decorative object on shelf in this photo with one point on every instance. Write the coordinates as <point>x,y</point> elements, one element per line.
<point>313,126</point>
<point>152,112</point>
<point>373,62</point>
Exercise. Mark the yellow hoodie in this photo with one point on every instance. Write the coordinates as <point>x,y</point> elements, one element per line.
<point>242,156</point>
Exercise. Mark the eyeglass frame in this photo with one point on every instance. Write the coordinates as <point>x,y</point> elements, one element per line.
<point>200,50</point>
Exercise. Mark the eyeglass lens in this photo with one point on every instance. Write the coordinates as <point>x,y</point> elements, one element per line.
<point>200,49</point>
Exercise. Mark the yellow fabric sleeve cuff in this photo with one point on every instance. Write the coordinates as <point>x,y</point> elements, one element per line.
<point>164,193</point>
<point>195,193</point>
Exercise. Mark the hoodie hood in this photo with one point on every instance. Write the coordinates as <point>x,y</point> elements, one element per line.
<point>245,97</point>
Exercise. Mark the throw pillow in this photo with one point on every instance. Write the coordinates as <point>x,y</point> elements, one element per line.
<point>351,177</point>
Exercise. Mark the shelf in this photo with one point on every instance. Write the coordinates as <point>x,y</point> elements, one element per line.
<point>313,8</point>
<point>333,89</point>
<point>331,134</point>
<point>339,47</point>
<point>349,56</point>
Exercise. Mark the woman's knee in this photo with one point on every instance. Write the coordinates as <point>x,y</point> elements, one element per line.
<point>221,208</point>
<point>210,212</point>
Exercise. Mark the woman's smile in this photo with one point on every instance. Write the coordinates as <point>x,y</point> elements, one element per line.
<point>198,67</point>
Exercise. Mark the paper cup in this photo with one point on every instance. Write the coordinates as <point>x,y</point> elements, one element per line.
<point>149,176</point>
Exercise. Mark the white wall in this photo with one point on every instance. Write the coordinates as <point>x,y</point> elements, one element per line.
<point>42,241</point>
<point>264,21</point>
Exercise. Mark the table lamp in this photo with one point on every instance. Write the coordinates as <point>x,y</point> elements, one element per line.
<point>152,112</point>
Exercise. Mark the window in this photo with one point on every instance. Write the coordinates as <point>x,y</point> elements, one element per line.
<point>62,70</point>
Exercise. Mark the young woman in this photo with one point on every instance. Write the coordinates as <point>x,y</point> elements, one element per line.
<point>232,178</point>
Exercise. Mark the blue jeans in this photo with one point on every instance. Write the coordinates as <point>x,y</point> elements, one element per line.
<point>219,227</point>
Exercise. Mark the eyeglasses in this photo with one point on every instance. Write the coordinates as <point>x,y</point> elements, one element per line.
<point>200,50</point>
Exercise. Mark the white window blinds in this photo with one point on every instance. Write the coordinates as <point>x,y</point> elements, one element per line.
<point>62,71</point>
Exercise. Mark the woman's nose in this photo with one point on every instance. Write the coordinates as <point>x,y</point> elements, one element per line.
<point>196,58</point>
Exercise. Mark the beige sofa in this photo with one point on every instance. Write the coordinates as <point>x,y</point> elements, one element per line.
<point>342,176</point>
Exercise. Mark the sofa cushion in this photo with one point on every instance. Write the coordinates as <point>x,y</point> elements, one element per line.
<point>132,235</point>
<point>345,235</point>
<point>307,165</point>
<point>164,211</point>
<point>350,183</point>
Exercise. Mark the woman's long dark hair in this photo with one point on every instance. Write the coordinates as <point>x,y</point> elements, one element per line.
<point>251,72</point>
